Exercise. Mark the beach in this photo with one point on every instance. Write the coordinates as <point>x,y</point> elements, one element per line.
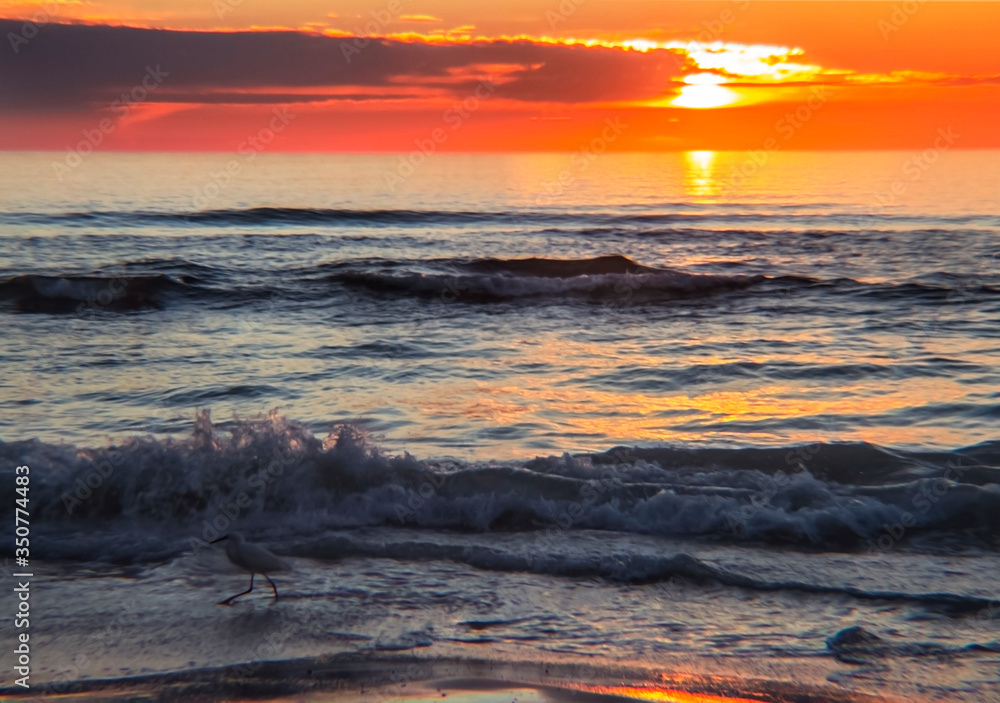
<point>647,438</point>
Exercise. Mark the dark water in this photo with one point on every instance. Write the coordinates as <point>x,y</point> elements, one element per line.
<point>456,316</point>
<point>521,379</point>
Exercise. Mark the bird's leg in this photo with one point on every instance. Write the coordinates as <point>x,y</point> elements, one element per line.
<point>229,600</point>
<point>273,587</point>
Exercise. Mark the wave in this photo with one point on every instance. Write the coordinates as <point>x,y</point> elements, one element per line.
<point>544,556</point>
<point>69,293</point>
<point>273,472</point>
<point>609,278</point>
<point>671,213</point>
<point>280,216</point>
<point>617,279</point>
<point>559,268</point>
<point>612,279</point>
<point>275,216</point>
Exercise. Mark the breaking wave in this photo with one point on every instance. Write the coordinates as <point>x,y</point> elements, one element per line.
<point>272,471</point>
<point>67,293</point>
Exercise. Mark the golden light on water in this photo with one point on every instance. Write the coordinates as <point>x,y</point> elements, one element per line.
<point>699,173</point>
<point>701,159</point>
<point>665,695</point>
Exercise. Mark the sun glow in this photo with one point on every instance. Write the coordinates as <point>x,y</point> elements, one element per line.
<point>704,91</point>
<point>701,159</point>
<point>764,62</point>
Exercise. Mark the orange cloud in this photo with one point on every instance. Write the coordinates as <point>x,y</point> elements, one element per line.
<point>419,18</point>
<point>384,91</point>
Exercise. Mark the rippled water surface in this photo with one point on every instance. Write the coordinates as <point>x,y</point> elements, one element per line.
<point>480,310</point>
<point>656,412</point>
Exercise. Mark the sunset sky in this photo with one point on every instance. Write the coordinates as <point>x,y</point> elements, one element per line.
<point>484,76</point>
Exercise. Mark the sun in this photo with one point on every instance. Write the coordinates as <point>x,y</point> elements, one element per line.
<point>703,91</point>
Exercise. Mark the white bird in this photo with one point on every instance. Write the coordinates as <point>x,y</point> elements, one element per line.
<point>252,558</point>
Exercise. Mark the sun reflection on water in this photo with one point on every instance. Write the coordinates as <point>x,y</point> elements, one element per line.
<point>699,173</point>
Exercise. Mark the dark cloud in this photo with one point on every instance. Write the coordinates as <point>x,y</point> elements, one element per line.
<point>221,98</point>
<point>69,67</point>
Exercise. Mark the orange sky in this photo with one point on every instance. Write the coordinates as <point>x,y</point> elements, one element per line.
<point>522,75</point>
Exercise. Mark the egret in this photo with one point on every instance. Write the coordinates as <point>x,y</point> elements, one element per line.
<point>252,558</point>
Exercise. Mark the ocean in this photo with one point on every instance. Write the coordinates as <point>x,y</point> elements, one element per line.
<point>708,413</point>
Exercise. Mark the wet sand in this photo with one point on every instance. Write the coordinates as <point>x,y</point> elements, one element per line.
<point>381,678</point>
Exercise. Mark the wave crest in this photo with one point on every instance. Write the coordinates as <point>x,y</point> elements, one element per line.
<point>611,278</point>
<point>274,471</point>
<point>33,292</point>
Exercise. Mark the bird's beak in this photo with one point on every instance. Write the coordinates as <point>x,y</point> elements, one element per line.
<point>219,540</point>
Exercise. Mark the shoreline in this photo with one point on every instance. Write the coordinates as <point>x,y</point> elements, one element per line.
<point>381,677</point>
